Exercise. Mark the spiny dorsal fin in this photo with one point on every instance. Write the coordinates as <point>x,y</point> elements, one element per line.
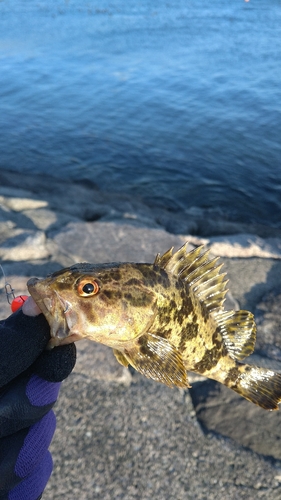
<point>156,358</point>
<point>199,272</point>
<point>238,330</point>
<point>175,263</point>
<point>162,260</point>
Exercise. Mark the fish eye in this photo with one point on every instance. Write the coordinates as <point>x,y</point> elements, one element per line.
<point>87,287</point>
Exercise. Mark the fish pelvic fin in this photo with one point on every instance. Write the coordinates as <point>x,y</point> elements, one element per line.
<point>199,272</point>
<point>258,385</point>
<point>156,358</point>
<point>238,330</point>
<point>121,358</point>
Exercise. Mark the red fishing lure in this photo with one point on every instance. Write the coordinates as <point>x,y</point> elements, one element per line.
<point>15,302</point>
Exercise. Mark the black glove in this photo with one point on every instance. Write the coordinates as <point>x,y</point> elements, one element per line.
<point>30,378</point>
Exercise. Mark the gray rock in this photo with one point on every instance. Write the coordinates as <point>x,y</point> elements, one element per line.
<point>9,186</point>
<point>46,219</point>
<point>8,230</point>
<point>18,204</point>
<point>211,222</point>
<point>221,410</point>
<point>245,245</point>
<point>268,318</point>
<point>24,245</point>
<point>14,219</point>
<point>176,223</point>
<point>63,196</point>
<point>80,200</point>
<point>110,242</point>
<point>231,304</point>
<point>130,218</point>
<point>250,279</point>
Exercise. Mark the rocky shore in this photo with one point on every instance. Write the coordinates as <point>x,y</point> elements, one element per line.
<point>119,435</point>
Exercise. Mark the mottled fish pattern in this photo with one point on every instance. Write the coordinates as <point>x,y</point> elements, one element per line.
<point>164,319</point>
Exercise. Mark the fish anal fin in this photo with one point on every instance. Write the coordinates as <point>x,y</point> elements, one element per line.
<point>156,358</point>
<point>120,358</point>
<point>238,330</point>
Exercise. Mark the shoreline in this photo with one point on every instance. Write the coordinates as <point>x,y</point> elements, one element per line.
<point>83,201</point>
<point>93,204</point>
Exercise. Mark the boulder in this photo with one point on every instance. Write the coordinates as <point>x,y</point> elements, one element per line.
<point>24,245</point>
<point>220,410</point>
<point>112,242</point>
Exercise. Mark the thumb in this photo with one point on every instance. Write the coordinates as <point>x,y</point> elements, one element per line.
<point>30,308</point>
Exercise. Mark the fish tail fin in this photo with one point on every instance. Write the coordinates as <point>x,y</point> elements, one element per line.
<point>259,385</point>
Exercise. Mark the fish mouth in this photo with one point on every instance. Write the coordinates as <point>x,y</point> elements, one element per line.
<point>57,311</point>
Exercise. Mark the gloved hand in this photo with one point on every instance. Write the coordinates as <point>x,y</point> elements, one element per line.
<point>30,378</point>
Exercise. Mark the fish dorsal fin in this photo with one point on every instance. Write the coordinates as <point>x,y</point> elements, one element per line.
<point>238,330</point>
<point>201,273</point>
<point>156,358</point>
<point>163,260</point>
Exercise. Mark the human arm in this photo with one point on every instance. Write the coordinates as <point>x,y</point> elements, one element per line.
<point>30,379</point>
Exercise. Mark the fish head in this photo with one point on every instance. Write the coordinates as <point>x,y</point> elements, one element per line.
<point>108,303</point>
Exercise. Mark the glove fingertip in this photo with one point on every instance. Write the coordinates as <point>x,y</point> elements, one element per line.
<point>55,365</point>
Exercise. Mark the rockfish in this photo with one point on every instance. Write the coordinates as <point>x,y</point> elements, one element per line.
<point>164,319</point>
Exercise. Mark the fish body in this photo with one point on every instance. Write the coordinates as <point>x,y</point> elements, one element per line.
<point>164,319</point>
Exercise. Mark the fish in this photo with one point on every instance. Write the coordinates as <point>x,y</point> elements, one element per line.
<point>164,319</point>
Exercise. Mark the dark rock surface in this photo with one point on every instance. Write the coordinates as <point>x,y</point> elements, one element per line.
<point>268,318</point>
<point>222,411</point>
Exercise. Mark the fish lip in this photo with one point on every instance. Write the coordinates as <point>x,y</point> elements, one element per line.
<point>52,306</point>
<point>32,282</point>
<point>36,295</point>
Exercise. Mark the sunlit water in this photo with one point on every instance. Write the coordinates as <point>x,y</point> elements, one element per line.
<point>178,102</point>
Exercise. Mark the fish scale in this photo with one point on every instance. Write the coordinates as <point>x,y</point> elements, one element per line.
<point>164,319</point>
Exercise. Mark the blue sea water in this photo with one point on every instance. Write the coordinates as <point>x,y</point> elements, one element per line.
<point>176,102</point>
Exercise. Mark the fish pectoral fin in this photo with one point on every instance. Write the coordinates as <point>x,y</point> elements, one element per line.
<point>121,358</point>
<point>156,358</point>
<point>238,330</point>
